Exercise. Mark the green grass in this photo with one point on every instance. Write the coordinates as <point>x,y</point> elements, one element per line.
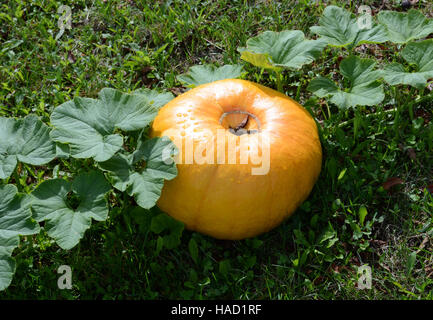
<point>312,255</point>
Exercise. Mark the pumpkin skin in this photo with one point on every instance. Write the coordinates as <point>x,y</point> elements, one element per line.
<point>226,201</point>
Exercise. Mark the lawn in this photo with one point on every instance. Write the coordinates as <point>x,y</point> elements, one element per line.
<point>371,206</point>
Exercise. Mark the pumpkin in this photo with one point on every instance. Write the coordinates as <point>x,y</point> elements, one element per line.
<point>226,199</point>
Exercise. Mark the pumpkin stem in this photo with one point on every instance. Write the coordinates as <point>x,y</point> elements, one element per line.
<point>239,129</point>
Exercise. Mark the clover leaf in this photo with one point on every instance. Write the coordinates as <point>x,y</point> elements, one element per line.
<point>198,75</point>
<point>26,140</point>
<point>89,126</point>
<point>418,54</point>
<point>142,173</point>
<point>279,50</point>
<point>403,27</point>
<point>365,90</point>
<point>340,29</point>
<point>69,207</point>
<point>15,220</point>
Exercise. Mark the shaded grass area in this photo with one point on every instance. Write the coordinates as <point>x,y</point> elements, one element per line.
<point>381,163</point>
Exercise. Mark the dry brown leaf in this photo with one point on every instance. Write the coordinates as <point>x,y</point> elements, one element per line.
<point>388,184</point>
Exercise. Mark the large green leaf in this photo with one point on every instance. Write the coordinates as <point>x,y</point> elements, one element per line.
<point>142,173</point>
<point>15,220</point>
<point>26,140</point>
<point>418,54</point>
<point>198,75</point>
<point>365,90</point>
<point>154,98</point>
<point>403,27</point>
<point>67,221</point>
<point>340,29</point>
<point>89,126</point>
<point>278,50</point>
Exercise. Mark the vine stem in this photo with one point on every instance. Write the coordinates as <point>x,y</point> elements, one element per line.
<point>279,81</point>
<point>16,176</point>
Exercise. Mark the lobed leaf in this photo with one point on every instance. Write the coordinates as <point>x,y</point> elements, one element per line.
<point>142,173</point>
<point>26,140</point>
<point>279,50</point>
<point>403,27</point>
<point>340,29</point>
<point>154,98</point>
<point>418,54</point>
<point>157,153</point>
<point>89,126</point>
<point>201,74</point>
<point>65,223</point>
<point>15,220</point>
<point>365,90</point>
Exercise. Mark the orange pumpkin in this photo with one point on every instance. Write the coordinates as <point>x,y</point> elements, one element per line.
<point>220,195</point>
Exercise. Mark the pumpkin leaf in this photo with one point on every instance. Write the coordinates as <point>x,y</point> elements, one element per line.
<point>89,126</point>
<point>157,153</point>
<point>154,98</point>
<point>26,140</point>
<point>62,151</point>
<point>403,27</point>
<point>279,50</point>
<point>142,173</point>
<point>365,90</point>
<point>202,74</point>
<point>340,29</point>
<point>68,218</point>
<point>15,220</point>
<point>418,54</point>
